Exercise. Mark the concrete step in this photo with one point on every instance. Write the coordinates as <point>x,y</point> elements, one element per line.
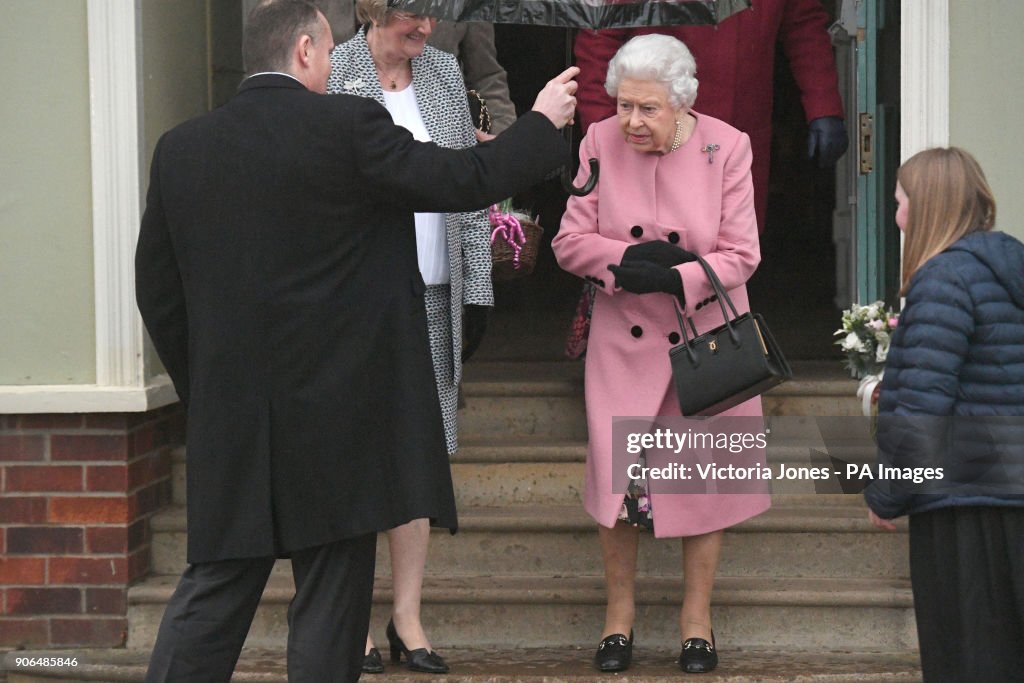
<point>539,470</point>
<point>506,481</point>
<point>529,398</point>
<point>525,449</point>
<point>818,388</point>
<point>793,448</point>
<point>566,665</point>
<point>522,611</point>
<point>536,410</point>
<point>491,482</point>
<point>513,399</point>
<point>517,483</point>
<point>833,540</point>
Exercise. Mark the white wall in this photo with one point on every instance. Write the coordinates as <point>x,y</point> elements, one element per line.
<point>47,333</point>
<point>987,97</point>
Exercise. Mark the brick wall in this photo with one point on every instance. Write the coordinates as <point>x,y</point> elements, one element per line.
<point>76,494</point>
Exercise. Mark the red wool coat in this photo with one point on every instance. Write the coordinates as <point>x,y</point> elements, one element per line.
<point>735,67</point>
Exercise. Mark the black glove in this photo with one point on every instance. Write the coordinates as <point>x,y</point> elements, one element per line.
<point>474,324</point>
<point>658,252</point>
<point>827,140</point>
<point>642,277</point>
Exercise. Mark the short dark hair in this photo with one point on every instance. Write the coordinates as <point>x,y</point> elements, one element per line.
<point>271,30</point>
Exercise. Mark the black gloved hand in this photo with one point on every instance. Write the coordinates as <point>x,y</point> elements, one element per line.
<point>658,252</point>
<point>642,277</point>
<point>827,140</point>
<point>474,324</point>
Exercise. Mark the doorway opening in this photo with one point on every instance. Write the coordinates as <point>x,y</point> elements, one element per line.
<point>809,269</point>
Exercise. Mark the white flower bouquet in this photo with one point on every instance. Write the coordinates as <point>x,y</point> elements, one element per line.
<point>865,337</point>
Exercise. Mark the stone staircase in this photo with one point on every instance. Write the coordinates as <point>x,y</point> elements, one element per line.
<point>808,591</point>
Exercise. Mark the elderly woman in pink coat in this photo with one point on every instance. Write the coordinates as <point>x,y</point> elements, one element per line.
<point>673,183</point>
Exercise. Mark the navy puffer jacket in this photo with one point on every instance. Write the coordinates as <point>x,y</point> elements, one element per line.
<point>957,352</point>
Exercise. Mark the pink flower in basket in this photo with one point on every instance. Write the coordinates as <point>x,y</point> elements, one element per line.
<point>505,226</point>
<point>515,240</point>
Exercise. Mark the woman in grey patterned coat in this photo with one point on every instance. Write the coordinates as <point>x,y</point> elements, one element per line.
<point>388,60</point>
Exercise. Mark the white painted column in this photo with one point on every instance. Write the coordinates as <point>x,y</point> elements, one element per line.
<point>924,75</point>
<point>114,115</point>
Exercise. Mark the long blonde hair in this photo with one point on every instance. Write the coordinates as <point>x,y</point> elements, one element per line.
<point>948,198</point>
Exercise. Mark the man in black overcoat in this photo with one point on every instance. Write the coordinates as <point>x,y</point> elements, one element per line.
<point>276,273</point>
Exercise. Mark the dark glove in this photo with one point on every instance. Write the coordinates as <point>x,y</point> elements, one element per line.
<point>658,252</point>
<point>474,324</point>
<point>642,277</point>
<point>827,140</point>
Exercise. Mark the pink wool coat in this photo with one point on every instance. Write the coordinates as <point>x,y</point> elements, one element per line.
<point>704,202</point>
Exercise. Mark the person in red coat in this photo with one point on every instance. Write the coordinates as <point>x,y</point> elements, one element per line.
<point>736,63</point>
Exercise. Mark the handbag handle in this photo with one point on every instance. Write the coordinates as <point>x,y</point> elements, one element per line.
<point>723,299</point>
<point>716,284</point>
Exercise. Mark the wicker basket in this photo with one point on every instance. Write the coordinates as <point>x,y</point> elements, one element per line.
<point>502,255</point>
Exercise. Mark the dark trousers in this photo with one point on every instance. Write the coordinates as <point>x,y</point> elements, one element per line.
<point>967,571</point>
<point>208,617</point>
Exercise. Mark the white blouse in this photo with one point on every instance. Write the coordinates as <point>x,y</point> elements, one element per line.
<point>431,237</point>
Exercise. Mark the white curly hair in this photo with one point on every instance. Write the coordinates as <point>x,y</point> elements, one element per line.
<point>660,58</point>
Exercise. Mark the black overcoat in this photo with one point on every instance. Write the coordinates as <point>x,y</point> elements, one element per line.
<point>276,274</point>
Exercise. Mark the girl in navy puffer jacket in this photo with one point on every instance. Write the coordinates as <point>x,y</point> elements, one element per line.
<point>953,397</point>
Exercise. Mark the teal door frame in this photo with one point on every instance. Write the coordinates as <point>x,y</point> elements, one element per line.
<point>875,132</point>
<point>869,133</point>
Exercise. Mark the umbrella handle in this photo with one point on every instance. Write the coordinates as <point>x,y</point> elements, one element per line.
<point>588,186</point>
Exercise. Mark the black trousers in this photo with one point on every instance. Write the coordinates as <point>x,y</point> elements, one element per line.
<point>209,615</point>
<point>967,571</point>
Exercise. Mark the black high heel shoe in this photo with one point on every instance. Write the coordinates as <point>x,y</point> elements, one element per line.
<point>614,653</point>
<point>420,659</point>
<point>698,656</point>
<point>372,663</point>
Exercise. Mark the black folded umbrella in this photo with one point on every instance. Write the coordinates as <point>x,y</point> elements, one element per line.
<point>594,14</point>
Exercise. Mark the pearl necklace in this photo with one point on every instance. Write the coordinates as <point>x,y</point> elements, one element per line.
<point>678,139</point>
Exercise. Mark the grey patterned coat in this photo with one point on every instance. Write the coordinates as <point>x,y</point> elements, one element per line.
<point>441,98</point>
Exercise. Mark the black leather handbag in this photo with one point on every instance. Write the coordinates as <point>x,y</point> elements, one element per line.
<point>728,365</point>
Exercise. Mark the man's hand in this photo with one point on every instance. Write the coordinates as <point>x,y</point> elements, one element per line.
<point>474,324</point>
<point>827,140</point>
<point>883,524</point>
<point>658,252</point>
<point>557,100</point>
<point>643,277</point>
